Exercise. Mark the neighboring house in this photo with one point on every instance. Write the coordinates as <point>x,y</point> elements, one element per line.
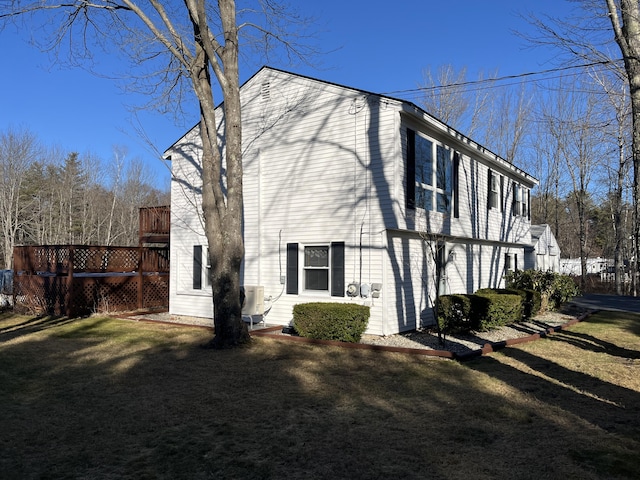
<point>544,252</point>
<point>341,188</point>
<point>573,266</point>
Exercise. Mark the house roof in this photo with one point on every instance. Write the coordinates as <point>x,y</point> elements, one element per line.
<point>408,108</point>
<point>537,231</point>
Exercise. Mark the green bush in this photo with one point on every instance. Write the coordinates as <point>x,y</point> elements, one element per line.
<point>564,289</point>
<point>345,322</point>
<point>531,299</point>
<point>454,313</point>
<point>490,309</point>
<point>554,288</point>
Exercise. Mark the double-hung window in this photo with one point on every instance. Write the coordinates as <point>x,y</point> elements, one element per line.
<point>521,199</point>
<point>322,268</point>
<point>433,175</point>
<point>316,267</point>
<point>496,190</point>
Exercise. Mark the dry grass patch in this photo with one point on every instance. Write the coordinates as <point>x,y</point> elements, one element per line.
<point>104,398</point>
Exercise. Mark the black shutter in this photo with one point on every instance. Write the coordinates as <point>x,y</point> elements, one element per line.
<point>337,269</point>
<point>197,267</point>
<point>292,268</point>
<point>490,178</point>
<point>411,169</point>
<point>514,200</point>
<point>501,193</point>
<point>456,185</point>
<point>529,205</point>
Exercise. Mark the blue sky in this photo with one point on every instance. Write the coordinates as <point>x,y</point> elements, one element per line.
<point>371,46</point>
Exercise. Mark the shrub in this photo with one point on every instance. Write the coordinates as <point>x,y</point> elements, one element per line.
<point>564,289</point>
<point>454,313</point>
<point>531,299</point>
<point>554,288</point>
<point>345,322</point>
<point>491,309</point>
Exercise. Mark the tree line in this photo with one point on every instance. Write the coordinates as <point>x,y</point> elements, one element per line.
<point>53,197</point>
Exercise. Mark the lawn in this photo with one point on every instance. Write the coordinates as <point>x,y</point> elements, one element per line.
<point>102,398</point>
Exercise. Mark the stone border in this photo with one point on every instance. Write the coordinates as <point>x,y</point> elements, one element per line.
<point>488,347</point>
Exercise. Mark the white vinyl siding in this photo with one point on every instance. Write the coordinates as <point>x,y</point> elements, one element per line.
<point>323,164</point>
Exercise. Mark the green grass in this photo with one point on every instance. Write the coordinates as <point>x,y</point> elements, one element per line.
<point>103,398</point>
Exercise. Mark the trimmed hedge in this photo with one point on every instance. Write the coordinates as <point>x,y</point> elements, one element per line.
<point>484,310</point>
<point>531,299</point>
<point>490,309</point>
<point>345,322</point>
<point>454,313</point>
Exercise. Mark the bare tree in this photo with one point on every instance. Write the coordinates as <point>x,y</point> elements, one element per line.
<point>625,22</point>
<point>18,151</point>
<point>590,35</point>
<point>575,126</point>
<point>496,115</point>
<point>445,97</point>
<point>188,45</point>
<point>618,106</point>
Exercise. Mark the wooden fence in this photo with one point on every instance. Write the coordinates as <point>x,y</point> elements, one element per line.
<point>77,280</point>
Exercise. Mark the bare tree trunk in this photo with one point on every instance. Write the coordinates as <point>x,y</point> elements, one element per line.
<point>222,216</point>
<point>626,27</point>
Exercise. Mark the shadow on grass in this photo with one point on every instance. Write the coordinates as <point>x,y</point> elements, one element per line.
<point>595,344</point>
<point>605,405</point>
<point>29,325</point>
<point>117,399</point>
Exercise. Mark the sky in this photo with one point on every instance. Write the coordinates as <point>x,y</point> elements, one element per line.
<point>373,45</point>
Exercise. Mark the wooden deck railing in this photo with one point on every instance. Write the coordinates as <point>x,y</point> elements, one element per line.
<point>76,280</point>
<point>155,224</point>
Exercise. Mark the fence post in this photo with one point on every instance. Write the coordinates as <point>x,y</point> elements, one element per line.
<point>140,279</point>
<point>69,295</point>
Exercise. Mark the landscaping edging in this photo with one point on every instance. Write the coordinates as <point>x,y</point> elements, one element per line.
<point>487,348</point>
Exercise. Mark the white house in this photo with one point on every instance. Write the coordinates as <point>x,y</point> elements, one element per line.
<point>573,266</point>
<point>352,196</point>
<point>544,252</point>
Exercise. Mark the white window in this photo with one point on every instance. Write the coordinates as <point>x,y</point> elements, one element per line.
<point>520,200</point>
<point>494,190</point>
<point>316,267</point>
<point>517,200</point>
<point>510,262</point>
<point>433,175</point>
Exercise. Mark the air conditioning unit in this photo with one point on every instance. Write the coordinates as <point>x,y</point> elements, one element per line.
<point>253,300</point>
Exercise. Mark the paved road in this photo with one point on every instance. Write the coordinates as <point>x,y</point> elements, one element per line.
<point>609,302</point>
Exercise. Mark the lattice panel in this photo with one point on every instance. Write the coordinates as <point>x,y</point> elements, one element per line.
<point>105,279</point>
<point>105,259</point>
<point>155,291</point>
<point>106,294</point>
<point>43,259</point>
<point>38,294</point>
